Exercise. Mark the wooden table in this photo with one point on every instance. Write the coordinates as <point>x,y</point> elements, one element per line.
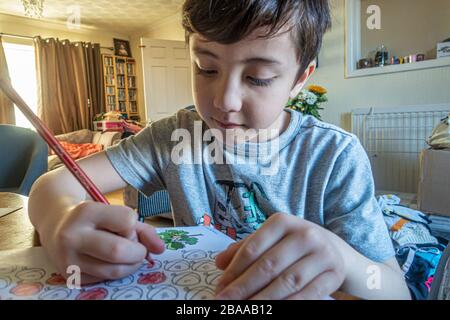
<point>16,230</point>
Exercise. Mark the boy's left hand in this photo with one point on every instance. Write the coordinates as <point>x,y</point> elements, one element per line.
<point>287,258</point>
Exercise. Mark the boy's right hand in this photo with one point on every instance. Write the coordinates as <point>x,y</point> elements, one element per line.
<point>104,241</point>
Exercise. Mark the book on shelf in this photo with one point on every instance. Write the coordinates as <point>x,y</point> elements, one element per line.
<point>131,95</point>
<point>130,69</point>
<point>131,82</point>
<point>108,61</point>
<point>120,81</point>
<point>110,90</point>
<point>133,107</point>
<point>122,106</point>
<point>120,87</point>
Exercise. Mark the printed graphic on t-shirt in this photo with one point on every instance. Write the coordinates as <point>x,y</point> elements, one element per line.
<point>236,209</point>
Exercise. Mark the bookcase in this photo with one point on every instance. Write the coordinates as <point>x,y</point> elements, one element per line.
<point>120,85</point>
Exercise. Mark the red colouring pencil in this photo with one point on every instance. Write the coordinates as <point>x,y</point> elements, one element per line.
<point>53,143</point>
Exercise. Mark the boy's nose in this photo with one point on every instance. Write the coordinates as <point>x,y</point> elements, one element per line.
<point>228,97</point>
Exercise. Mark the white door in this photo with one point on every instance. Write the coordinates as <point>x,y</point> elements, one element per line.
<point>167,77</point>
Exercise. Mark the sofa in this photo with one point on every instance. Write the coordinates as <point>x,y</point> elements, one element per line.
<point>106,139</point>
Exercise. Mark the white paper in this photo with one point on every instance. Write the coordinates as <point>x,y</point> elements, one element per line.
<point>185,271</point>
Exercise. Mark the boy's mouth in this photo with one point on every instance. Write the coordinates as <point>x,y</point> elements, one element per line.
<point>228,125</point>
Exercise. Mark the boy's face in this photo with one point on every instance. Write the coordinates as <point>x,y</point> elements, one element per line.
<point>245,85</point>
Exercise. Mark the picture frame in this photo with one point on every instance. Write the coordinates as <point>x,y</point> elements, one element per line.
<point>122,48</point>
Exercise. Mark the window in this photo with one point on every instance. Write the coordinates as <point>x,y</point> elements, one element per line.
<point>22,70</point>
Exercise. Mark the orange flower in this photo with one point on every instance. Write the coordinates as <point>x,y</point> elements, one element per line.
<point>317,89</point>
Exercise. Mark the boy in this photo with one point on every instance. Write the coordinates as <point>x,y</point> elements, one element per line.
<point>306,228</point>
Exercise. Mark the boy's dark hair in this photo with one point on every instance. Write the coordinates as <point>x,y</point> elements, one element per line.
<point>229,21</point>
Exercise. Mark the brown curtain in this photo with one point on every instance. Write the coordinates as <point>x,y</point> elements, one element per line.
<point>69,84</point>
<point>6,106</point>
<point>95,80</point>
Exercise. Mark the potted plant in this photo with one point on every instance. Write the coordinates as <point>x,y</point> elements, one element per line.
<point>308,101</point>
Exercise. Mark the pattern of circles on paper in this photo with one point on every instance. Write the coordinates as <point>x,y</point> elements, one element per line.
<point>151,266</point>
<point>204,266</point>
<point>152,278</point>
<point>129,293</point>
<point>27,289</point>
<point>213,278</point>
<point>194,255</point>
<point>177,266</point>
<point>120,282</point>
<point>6,269</point>
<point>200,293</point>
<point>31,274</point>
<point>56,280</point>
<point>93,294</point>
<point>163,292</point>
<point>55,294</point>
<point>187,279</point>
<point>213,254</point>
<point>4,282</point>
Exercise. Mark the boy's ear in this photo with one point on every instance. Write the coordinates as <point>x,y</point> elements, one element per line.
<point>302,79</point>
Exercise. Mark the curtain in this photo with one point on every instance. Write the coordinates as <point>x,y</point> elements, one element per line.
<point>95,80</point>
<point>70,90</point>
<point>6,106</point>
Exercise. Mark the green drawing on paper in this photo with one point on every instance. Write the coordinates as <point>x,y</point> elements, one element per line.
<point>178,239</point>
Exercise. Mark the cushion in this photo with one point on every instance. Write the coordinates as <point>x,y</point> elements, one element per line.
<point>81,150</point>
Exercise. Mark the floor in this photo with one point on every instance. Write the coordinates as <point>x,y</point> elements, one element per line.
<point>116,198</point>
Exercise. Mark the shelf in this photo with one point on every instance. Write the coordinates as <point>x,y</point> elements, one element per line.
<point>120,73</point>
<point>427,64</point>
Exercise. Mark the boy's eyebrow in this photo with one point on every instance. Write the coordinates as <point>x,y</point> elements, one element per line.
<point>261,60</point>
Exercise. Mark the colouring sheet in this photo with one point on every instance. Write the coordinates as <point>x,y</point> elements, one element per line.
<point>185,271</point>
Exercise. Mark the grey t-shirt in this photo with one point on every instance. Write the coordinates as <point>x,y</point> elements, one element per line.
<point>321,173</point>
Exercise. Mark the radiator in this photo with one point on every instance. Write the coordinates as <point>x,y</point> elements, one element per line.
<point>393,139</point>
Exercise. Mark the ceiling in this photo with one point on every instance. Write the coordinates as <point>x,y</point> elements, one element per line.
<point>119,16</point>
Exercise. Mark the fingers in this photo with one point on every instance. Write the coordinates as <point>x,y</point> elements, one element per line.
<point>108,247</point>
<point>293,279</point>
<point>225,257</point>
<point>117,219</point>
<point>149,238</point>
<point>277,226</point>
<point>268,267</point>
<point>103,270</point>
<point>321,287</point>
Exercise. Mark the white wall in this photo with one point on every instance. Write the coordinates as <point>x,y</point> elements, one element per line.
<point>430,86</point>
<point>418,87</point>
<point>46,29</point>
<point>407,26</point>
<point>168,29</point>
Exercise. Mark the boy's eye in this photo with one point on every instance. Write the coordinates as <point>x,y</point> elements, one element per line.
<point>260,82</point>
<point>205,71</point>
<point>254,81</point>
